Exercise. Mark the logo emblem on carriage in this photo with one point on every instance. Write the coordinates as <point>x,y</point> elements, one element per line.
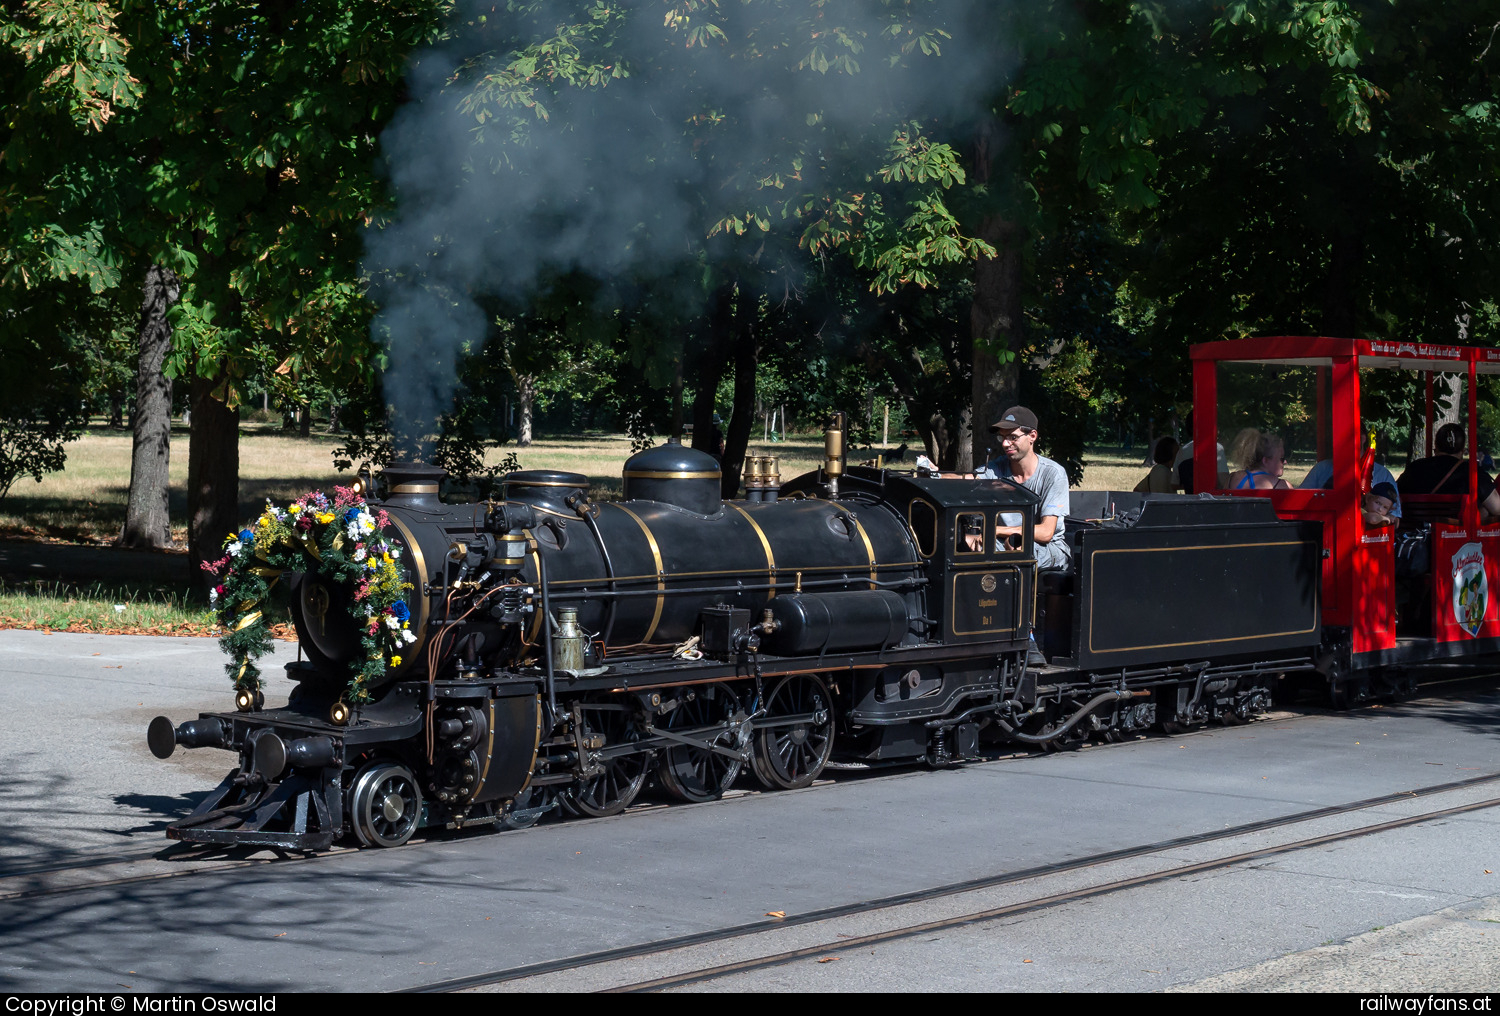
<point>987,583</point>
<point>1471,589</point>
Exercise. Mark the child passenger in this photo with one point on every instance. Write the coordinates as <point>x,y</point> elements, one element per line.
<point>1159,480</point>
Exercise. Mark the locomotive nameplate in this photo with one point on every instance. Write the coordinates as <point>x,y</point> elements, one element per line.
<point>985,602</point>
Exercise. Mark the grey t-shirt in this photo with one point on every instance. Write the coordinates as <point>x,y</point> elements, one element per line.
<point>1050,483</point>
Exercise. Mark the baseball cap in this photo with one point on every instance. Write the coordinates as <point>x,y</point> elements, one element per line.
<point>1014,418</point>
<point>1387,490</point>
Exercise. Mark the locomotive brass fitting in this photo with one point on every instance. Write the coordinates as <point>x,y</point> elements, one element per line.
<point>247,701</point>
<point>833,447</point>
<point>338,715</point>
<point>770,478</point>
<point>768,622</point>
<point>833,453</point>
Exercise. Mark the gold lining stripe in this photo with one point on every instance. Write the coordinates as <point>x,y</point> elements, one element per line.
<point>1198,642</point>
<point>542,483</point>
<point>896,566</point>
<point>869,549</point>
<point>536,608</point>
<point>415,488</point>
<point>424,608</point>
<point>536,742</point>
<point>765,543</point>
<point>661,585</point>
<point>911,524</point>
<point>665,474</point>
<point>489,754</point>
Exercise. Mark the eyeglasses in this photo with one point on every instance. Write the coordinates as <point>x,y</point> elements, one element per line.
<point>1015,436</point>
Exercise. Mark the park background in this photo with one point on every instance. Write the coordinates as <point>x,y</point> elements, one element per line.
<point>246,246</point>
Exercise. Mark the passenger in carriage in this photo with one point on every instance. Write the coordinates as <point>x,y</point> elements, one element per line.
<point>1159,480</point>
<point>1263,466</point>
<point>1320,477</point>
<point>1182,465</point>
<point>1447,472</point>
<point>1379,506</point>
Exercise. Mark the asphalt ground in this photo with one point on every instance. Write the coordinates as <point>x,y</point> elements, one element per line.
<point>1407,909</point>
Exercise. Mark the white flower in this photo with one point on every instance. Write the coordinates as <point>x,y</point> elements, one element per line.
<point>367,523</point>
<point>359,555</point>
<point>353,530</point>
<point>213,596</point>
<point>408,637</point>
<point>392,623</point>
<point>234,548</point>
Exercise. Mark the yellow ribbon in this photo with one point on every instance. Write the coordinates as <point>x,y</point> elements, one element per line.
<point>266,573</point>
<point>247,621</point>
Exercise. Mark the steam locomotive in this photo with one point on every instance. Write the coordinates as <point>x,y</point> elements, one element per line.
<point>571,652</point>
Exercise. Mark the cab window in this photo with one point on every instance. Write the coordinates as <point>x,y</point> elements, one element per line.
<point>970,533</point>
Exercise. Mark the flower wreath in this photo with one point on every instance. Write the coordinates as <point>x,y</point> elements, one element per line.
<point>337,539</point>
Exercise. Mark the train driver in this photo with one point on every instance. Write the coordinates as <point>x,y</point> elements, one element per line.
<point>1018,461</point>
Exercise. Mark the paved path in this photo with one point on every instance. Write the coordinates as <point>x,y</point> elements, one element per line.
<point>80,781</point>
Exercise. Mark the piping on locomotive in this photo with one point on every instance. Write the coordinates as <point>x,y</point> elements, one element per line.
<point>569,651</point>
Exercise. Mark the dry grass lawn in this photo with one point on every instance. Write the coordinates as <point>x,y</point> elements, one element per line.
<point>85,502</point>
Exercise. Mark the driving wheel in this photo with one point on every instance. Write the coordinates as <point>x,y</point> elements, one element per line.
<point>700,774</point>
<point>794,740</point>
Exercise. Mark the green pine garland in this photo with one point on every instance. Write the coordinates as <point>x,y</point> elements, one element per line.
<point>337,539</point>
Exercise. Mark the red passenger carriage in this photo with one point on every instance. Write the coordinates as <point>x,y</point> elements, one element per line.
<point>1359,575</point>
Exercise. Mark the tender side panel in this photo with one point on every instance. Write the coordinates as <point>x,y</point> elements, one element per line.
<point>1154,595</point>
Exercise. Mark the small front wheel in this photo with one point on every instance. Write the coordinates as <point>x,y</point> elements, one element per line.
<point>385,807</point>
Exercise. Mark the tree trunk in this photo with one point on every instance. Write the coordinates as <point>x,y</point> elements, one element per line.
<point>304,424</point>
<point>147,522</point>
<point>1447,405</point>
<point>995,324</point>
<point>710,370</point>
<point>213,473</point>
<point>746,360</point>
<point>995,320</point>
<point>525,399</point>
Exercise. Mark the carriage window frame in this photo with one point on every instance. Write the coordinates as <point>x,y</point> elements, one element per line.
<point>985,545</point>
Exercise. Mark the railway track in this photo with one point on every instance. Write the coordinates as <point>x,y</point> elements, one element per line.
<point>710,955</point>
<point>179,860</point>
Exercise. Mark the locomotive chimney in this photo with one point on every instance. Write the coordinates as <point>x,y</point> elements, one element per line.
<point>414,484</point>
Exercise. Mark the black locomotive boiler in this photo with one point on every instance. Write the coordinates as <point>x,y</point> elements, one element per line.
<point>571,651</point>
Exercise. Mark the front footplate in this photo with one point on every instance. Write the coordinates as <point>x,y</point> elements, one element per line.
<point>302,812</point>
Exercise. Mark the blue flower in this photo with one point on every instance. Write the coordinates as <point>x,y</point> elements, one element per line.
<point>246,536</point>
<point>352,513</point>
<point>400,610</point>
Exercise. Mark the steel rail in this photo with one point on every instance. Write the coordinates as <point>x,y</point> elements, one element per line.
<point>1040,903</point>
<point>938,892</point>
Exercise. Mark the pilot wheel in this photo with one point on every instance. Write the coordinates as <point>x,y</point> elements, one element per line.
<point>385,807</point>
